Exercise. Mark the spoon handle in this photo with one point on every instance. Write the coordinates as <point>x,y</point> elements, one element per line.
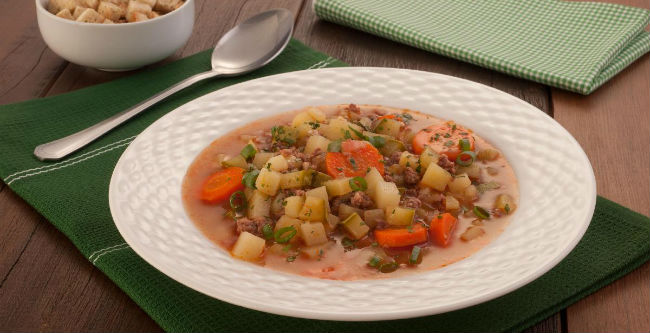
<point>60,148</point>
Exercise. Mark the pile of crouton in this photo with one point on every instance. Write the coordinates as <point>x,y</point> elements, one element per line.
<point>111,11</point>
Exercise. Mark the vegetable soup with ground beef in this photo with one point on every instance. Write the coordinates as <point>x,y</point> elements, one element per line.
<point>351,192</point>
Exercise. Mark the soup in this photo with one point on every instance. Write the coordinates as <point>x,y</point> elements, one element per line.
<point>351,192</point>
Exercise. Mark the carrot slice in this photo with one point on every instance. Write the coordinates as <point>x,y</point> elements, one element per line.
<point>388,116</point>
<point>441,228</point>
<point>414,234</point>
<point>355,158</point>
<point>222,184</point>
<point>443,139</point>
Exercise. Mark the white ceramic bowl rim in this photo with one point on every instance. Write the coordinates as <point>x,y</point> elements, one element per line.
<point>41,8</point>
<point>557,186</point>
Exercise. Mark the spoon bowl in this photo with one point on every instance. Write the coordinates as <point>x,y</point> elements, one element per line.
<point>246,47</point>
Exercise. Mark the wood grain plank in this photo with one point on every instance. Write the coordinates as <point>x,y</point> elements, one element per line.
<point>361,49</point>
<point>28,67</point>
<point>611,124</point>
<point>47,285</point>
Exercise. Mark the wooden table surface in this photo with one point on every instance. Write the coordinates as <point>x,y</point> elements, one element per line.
<point>47,285</point>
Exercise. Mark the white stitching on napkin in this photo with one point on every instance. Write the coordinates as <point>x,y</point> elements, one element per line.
<point>71,162</point>
<point>325,61</point>
<point>66,161</point>
<point>109,251</point>
<point>104,249</point>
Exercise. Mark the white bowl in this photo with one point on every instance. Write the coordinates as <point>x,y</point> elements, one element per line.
<point>116,47</point>
<point>556,184</point>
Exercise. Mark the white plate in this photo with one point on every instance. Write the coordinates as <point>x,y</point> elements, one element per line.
<point>557,187</point>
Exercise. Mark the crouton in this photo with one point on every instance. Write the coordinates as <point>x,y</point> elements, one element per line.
<point>111,11</point>
<point>136,17</point>
<point>77,11</point>
<point>89,3</point>
<point>65,14</point>
<point>107,21</point>
<point>151,3</point>
<point>167,5</point>
<point>55,6</point>
<point>90,16</point>
<point>136,7</point>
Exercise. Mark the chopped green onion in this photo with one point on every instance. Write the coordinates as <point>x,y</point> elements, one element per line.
<point>374,261</point>
<point>249,178</point>
<point>415,255</point>
<point>348,244</point>
<point>358,184</point>
<point>481,212</point>
<point>334,146</point>
<point>389,267</point>
<point>377,141</point>
<point>449,143</point>
<point>507,208</point>
<point>291,258</point>
<point>484,187</point>
<point>466,158</point>
<point>248,151</point>
<point>284,235</point>
<point>464,145</point>
<point>238,201</point>
<point>267,231</point>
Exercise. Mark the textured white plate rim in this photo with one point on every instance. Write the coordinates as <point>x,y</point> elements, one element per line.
<point>364,316</point>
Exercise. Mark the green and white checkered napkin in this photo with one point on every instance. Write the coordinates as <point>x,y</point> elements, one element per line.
<point>575,46</point>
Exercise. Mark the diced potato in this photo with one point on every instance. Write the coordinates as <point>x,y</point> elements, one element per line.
<point>317,251</point>
<point>332,222</point>
<point>388,126</point>
<point>436,177</point>
<point>261,158</point>
<point>471,233</point>
<point>313,210</point>
<point>473,170</point>
<point>319,179</point>
<point>355,226</point>
<point>301,118</point>
<point>347,210</point>
<point>470,193</point>
<point>488,154</point>
<point>427,157</point>
<point>313,233</point>
<point>339,128</point>
<point>386,195</point>
<point>259,205</point>
<point>296,179</point>
<point>391,146</point>
<point>277,204</point>
<point>316,142</point>
<point>248,247</point>
<point>287,221</point>
<point>373,216</point>
<point>237,161</point>
<point>278,249</point>
<point>451,203</point>
<point>303,131</point>
<point>459,183</point>
<point>285,134</point>
<point>320,192</point>
<point>268,181</point>
<point>340,186</point>
<point>317,114</point>
<point>408,160</point>
<point>293,205</point>
<point>399,216</point>
<point>277,163</point>
<point>373,179</point>
<point>505,203</point>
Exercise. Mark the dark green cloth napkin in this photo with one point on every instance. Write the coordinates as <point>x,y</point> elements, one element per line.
<point>72,195</point>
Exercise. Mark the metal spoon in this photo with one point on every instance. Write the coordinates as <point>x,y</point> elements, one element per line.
<point>248,46</point>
